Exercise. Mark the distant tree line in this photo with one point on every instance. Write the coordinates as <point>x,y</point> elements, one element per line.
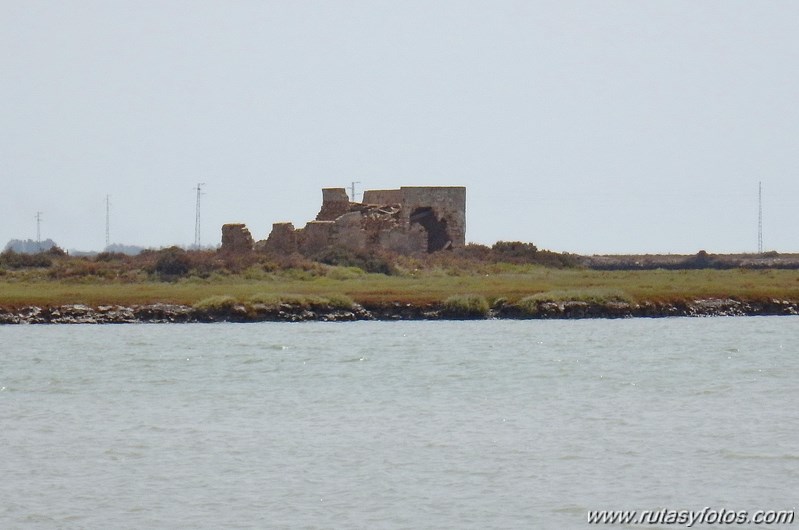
<point>29,246</point>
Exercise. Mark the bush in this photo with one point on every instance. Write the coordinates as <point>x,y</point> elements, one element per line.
<point>318,303</point>
<point>56,251</point>
<point>80,268</point>
<point>345,273</point>
<point>216,304</point>
<point>339,301</point>
<point>515,250</point>
<point>172,263</point>
<point>529,304</point>
<point>368,261</point>
<point>104,257</point>
<point>466,306</point>
<point>267,299</point>
<point>13,260</point>
<point>476,252</point>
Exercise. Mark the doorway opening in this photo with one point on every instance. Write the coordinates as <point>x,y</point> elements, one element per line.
<point>437,236</point>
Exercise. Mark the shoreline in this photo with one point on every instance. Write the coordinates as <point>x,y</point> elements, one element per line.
<point>162,313</point>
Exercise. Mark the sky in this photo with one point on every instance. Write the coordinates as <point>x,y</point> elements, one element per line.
<point>595,127</point>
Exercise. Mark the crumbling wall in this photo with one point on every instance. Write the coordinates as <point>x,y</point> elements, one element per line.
<point>236,238</point>
<point>441,211</point>
<point>315,236</point>
<point>282,239</point>
<point>349,231</point>
<point>382,197</point>
<point>407,220</point>
<point>334,204</point>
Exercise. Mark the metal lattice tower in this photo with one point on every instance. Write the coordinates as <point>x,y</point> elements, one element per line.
<point>759,217</point>
<point>352,190</point>
<point>39,230</point>
<point>107,221</point>
<point>197,238</point>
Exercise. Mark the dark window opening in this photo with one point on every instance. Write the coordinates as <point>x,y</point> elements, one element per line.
<point>437,236</point>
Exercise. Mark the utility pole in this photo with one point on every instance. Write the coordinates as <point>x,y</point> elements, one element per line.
<point>197,239</point>
<point>760,218</point>
<point>39,230</point>
<point>107,221</point>
<point>352,190</point>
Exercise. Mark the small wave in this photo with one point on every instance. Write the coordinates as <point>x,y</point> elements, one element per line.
<point>571,457</point>
<point>571,509</point>
<point>733,455</point>
<point>253,360</point>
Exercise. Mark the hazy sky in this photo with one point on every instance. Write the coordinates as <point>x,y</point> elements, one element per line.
<point>582,126</point>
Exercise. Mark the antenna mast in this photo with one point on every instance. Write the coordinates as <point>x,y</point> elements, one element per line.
<point>352,190</point>
<point>39,230</point>
<point>107,221</point>
<point>760,218</point>
<point>197,239</point>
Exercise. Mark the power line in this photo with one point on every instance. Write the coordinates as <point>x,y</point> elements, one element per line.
<point>197,239</point>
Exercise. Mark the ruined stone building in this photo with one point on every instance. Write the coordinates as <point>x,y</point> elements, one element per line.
<point>410,219</point>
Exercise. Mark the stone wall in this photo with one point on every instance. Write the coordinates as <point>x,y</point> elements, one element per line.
<point>282,239</point>
<point>316,236</point>
<point>335,202</point>
<point>236,238</point>
<point>446,220</point>
<point>412,219</point>
<point>382,197</point>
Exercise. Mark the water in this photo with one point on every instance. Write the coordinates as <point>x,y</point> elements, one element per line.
<point>491,424</point>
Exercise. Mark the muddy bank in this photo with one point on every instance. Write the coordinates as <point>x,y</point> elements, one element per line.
<point>171,313</point>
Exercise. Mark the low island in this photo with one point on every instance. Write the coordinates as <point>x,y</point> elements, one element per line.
<point>510,280</point>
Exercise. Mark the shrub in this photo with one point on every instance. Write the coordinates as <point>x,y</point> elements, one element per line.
<point>557,259</point>
<point>344,273</point>
<point>339,301</point>
<point>171,263</point>
<point>529,304</point>
<point>369,261</point>
<point>274,301</point>
<point>475,252</point>
<point>56,251</point>
<point>80,268</point>
<point>332,301</point>
<point>13,260</point>
<point>110,256</point>
<point>257,272</point>
<point>515,250</point>
<point>302,275</point>
<point>216,304</point>
<point>466,306</point>
<point>498,303</point>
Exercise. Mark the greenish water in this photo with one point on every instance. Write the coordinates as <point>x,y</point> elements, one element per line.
<point>490,424</point>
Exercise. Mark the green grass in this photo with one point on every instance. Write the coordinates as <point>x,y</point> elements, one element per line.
<point>466,306</point>
<point>219,302</point>
<point>424,287</point>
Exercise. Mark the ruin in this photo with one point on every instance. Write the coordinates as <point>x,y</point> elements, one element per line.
<point>411,219</point>
<point>236,238</point>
